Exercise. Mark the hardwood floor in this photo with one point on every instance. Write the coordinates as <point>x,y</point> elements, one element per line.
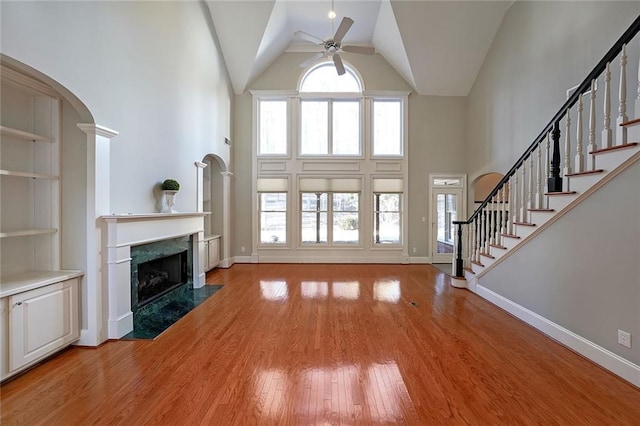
<point>327,344</point>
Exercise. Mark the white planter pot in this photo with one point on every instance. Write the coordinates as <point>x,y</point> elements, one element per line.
<point>169,200</point>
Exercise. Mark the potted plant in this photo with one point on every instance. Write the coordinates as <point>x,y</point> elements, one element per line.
<point>170,188</point>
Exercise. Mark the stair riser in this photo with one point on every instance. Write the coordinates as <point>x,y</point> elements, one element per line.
<point>510,243</point>
<point>540,218</point>
<point>558,202</point>
<point>611,160</point>
<point>486,261</point>
<point>633,133</point>
<point>581,183</point>
<point>524,231</point>
<point>477,269</point>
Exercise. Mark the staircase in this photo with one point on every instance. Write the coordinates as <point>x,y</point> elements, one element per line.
<point>589,141</point>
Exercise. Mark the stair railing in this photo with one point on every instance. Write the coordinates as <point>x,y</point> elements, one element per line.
<point>520,192</point>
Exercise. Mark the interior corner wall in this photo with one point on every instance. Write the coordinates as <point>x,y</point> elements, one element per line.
<point>589,282</point>
<point>153,71</point>
<point>541,50</point>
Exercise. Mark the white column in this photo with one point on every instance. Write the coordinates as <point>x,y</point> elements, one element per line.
<point>592,125</point>
<point>579,159</point>
<point>94,309</point>
<point>199,244</point>
<point>607,133</point>
<point>621,132</point>
<point>227,259</point>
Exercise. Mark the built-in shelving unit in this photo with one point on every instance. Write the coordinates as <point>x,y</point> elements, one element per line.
<point>35,294</point>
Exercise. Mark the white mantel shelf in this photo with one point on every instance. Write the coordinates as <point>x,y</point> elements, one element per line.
<point>147,216</point>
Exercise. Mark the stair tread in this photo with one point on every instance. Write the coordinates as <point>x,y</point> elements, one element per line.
<point>524,223</point>
<point>498,246</point>
<point>469,270</point>
<point>561,193</point>
<point>631,122</point>
<point>614,148</point>
<point>477,263</point>
<point>542,210</point>
<point>590,172</point>
<point>510,236</point>
<point>487,255</point>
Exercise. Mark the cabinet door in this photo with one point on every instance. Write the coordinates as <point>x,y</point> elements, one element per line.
<point>42,321</point>
<point>4,336</point>
<point>213,253</point>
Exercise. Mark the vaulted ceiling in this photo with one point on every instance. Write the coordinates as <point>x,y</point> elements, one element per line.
<point>437,46</point>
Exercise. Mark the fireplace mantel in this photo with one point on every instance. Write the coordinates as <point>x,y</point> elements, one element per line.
<point>119,233</point>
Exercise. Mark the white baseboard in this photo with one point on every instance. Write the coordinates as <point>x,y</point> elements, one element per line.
<point>605,358</point>
<point>420,260</point>
<point>226,262</point>
<point>243,259</point>
<point>200,281</point>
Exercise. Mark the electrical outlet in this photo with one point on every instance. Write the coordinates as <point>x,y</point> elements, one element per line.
<point>242,249</point>
<point>415,250</point>
<point>624,338</point>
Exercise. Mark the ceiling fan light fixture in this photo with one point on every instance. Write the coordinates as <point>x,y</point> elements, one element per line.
<point>332,14</point>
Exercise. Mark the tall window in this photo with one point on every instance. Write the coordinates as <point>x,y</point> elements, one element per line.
<point>330,127</point>
<point>272,127</point>
<point>387,127</point>
<point>387,210</point>
<point>318,209</point>
<point>272,206</point>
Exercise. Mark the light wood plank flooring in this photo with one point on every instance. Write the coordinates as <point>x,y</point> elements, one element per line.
<point>327,344</point>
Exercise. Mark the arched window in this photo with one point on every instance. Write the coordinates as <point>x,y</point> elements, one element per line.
<point>324,78</point>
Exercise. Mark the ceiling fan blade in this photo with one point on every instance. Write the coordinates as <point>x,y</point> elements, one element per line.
<point>310,38</point>
<point>366,50</point>
<point>342,29</point>
<point>311,60</point>
<point>337,60</point>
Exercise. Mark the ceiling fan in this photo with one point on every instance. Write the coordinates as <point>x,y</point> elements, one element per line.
<point>333,46</point>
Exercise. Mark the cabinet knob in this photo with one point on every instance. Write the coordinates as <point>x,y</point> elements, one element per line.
<point>18,304</point>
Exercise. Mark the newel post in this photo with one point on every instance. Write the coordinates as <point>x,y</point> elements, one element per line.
<point>458,260</point>
<point>554,182</point>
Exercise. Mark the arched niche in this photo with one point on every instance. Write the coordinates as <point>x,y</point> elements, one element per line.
<point>484,184</point>
<point>217,200</point>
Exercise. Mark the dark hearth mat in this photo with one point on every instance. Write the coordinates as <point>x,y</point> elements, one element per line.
<point>154,318</point>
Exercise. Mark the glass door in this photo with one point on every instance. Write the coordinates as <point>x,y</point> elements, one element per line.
<point>447,199</point>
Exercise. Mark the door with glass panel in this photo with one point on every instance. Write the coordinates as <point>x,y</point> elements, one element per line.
<point>447,199</point>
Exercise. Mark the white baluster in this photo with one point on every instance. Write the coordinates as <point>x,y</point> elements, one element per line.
<point>579,159</point>
<point>567,148</point>
<point>539,184</point>
<point>499,217</point>
<point>483,232</point>
<point>513,203</point>
<point>469,245</point>
<point>475,240</point>
<point>621,132</point>
<point>523,194</point>
<point>547,172</point>
<point>505,220</point>
<point>607,133</point>
<point>592,125</point>
<point>490,239</point>
<point>637,106</point>
<point>530,201</point>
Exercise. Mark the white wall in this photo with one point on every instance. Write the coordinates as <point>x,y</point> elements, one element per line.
<point>583,271</point>
<point>150,70</point>
<point>435,140</point>
<point>541,50</point>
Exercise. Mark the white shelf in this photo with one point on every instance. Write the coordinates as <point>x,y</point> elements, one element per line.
<point>28,175</point>
<point>33,279</point>
<point>20,134</point>
<point>27,232</point>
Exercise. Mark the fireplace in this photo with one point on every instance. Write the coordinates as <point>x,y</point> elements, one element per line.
<point>160,276</point>
<point>159,268</point>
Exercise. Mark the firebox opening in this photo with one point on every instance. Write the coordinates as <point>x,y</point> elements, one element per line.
<point>160,276</point>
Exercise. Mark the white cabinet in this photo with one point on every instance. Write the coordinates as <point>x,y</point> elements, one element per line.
<point>212,252</point>
<point>38,322</point>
